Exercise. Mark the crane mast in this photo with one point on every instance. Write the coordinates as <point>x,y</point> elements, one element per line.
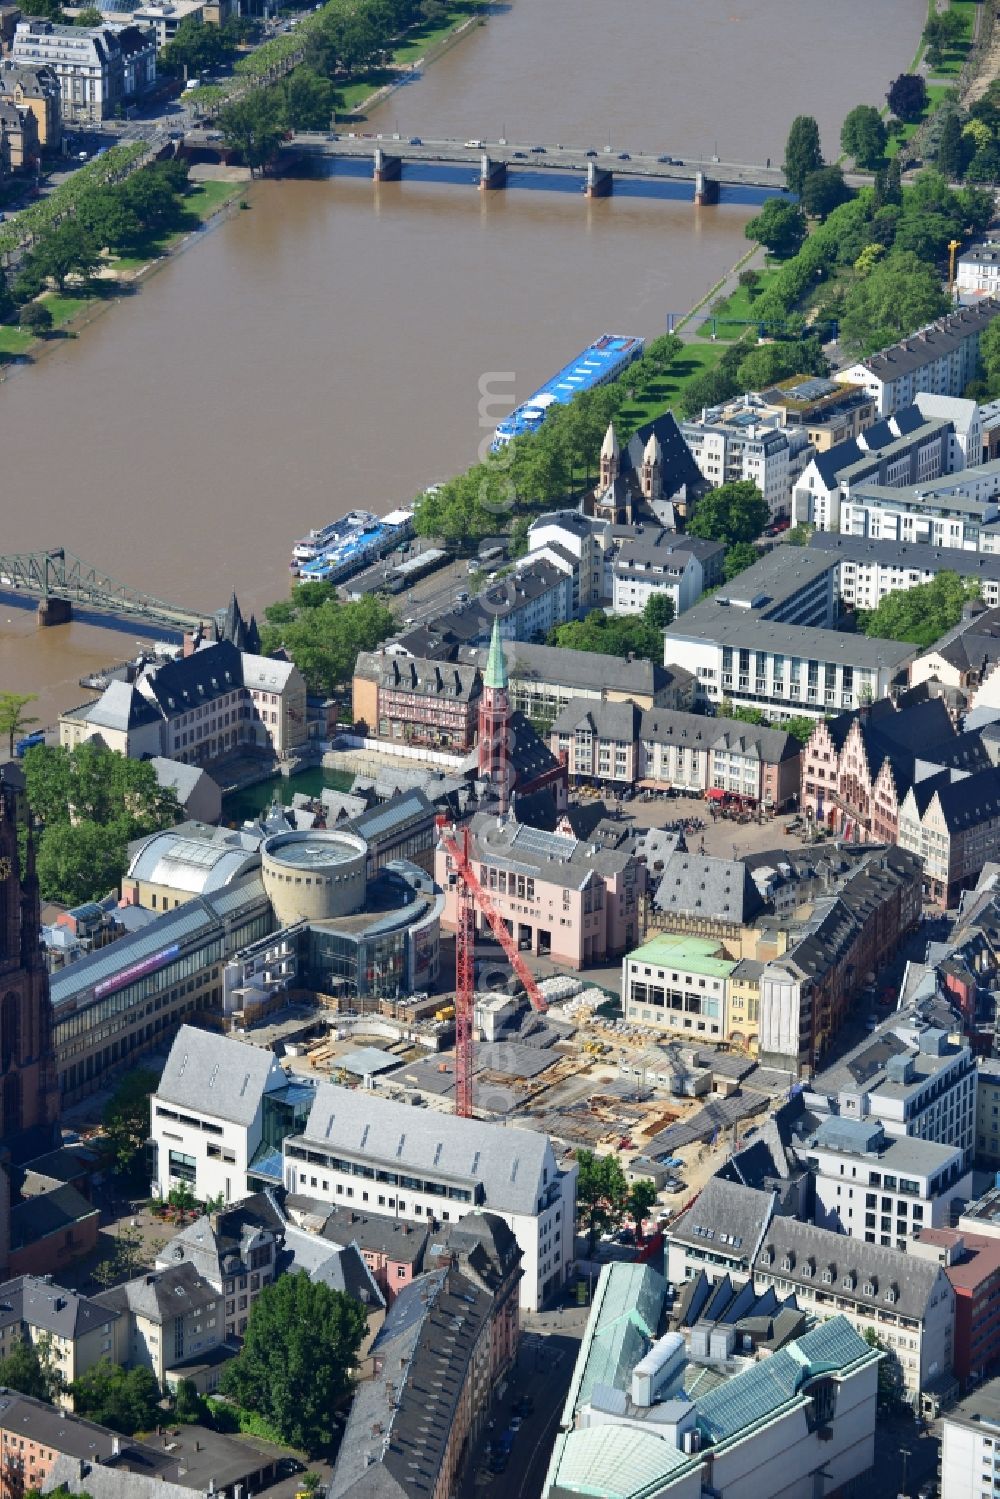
<point>470,895</point>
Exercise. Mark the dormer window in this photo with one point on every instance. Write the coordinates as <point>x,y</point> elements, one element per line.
<point>869,1288</point>
<point>891,1294</point>
<point>828,1277</point>
<point>848,1282</point>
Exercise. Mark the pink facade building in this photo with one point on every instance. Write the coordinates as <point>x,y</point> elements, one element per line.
<point>560,896</point>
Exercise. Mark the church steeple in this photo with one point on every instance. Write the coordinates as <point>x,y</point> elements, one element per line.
<point>494,720</point>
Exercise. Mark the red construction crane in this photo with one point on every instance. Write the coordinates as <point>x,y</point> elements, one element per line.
<point>469,894</point>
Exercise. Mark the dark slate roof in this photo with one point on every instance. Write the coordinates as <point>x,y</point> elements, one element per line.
<point>404,1243</point>
<point>839,457</point>
<point>964,802</point>
<point>52,1308</point>
<point>605,719</point>
<point>678,466</point>
<point>402,1419</point>
<point>345,1270</point>
<point>930,343</point>
<point>162,1295</point>
<point>818,1249</point>
<point>441,680</point>
<point>728,1217</point>
<point>37,1217</point>
<point>180,686</point>
<point>698,885</point>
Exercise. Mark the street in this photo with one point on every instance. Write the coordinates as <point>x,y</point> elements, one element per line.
<point>549,1345</point>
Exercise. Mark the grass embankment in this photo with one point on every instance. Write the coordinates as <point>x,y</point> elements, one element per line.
<point>414,46</point>
<point>202,200</point>
<point>730,320</point>
<point>693,360</point>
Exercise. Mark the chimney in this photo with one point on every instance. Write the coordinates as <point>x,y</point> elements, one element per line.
<point>84,1468</point>
<point>116,1446</point>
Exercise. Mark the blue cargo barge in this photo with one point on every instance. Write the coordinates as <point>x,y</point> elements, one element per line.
<point>605,359</point>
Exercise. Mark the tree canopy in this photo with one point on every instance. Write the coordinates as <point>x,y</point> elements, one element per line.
<point>126,1400</point>
<point>126,1121</point>
<point>91,802</point>
<point>253,126</point>
<point>30,1370</point>
<point>13,718</point>
<point>733,512</point>
<point>298,1353</point>
<point>803,153</point>
<point>619,634</point>
<point>899,294</point>
<point>780,227</point>
<point>738,558</point>
<point>907,96</point>
<point>823,191</point>
<point>863,135</point>
<point>322,635</point>
<point>919,615</point>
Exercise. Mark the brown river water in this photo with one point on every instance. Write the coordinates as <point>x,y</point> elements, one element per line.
<point>325,350</point>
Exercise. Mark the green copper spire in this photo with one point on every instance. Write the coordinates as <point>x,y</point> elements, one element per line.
<point>496,665</point>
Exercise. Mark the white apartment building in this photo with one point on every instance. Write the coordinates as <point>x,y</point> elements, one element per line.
<point>906,448</point>
<point>960,511</point>
<point>941,358</point>
<point>582,537</point>
<point>970,1445</point>
<point>978,269</point>
<point>868,571</point>
<point>882,1189</point>
<point>742,441</point>
<point>98,67</point>
<point>656,562</point>
<point>965,443</point>
<point>206,1116</point>
<point>361,1150</point>
<point>909,1076</point>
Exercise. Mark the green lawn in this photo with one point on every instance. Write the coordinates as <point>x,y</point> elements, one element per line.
<point>738,308</point>
<point>201,201</point>
<point>417,44</point>
<point>694,360</point>
<point>954,58</point>
<point>13,342</point>
<point>936,93</point>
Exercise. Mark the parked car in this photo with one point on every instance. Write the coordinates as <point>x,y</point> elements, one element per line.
<point>591,153</point>
<point>624,156</point>
<point>538,150</point>
<point>415,140</point>
<point>521,155</point>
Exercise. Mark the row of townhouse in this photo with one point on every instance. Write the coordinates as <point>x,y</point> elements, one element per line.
<point>958,511</point>
<point>434,699</point>
<point>621,745</point>
<point>904,775</point>
<point>725,965</point>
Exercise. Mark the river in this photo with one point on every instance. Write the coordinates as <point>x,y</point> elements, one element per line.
<point>325,349</point>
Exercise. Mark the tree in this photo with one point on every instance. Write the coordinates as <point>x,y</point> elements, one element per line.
<point>91,802</point>
<point>863,135</point>
<point>659,611</point>
<point>709,389</point>
<point>780,227</point>
<point>308,100</point>
<point>900,294</point>
<point>64,251</point>
<point>869,258</point>
<point>907,97</point>
<point>601,1192</point>
<point>919,615</point>
<point>22,1370</point>
<point>126,1121</point>
<point>127,1401</point>
<point>738,558</point>
<point>36,318</point>
<point>800,536</point>
<point>195,48</point>
<point>802,151</point>
<point>950,156</point>
<point>640,1202</point>
<point>89,16</point>
<point>733,512</point>
<point>298,1352</point>
<point>13,719</point>
<point>768,363</point>
<point>611,635</point>
<point>190,1408</point>
<point>323,636</point>
<point>253,127</point>
<point>890,1375</point>
<point>823,191</point>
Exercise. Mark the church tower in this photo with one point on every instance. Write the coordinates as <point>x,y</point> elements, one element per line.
<point>610,459</point>
<point>494,721</point>
<point>651,477</point>
<point>29,1097</point>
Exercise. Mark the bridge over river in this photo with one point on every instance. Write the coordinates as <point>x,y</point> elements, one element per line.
<point>496,161</point>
